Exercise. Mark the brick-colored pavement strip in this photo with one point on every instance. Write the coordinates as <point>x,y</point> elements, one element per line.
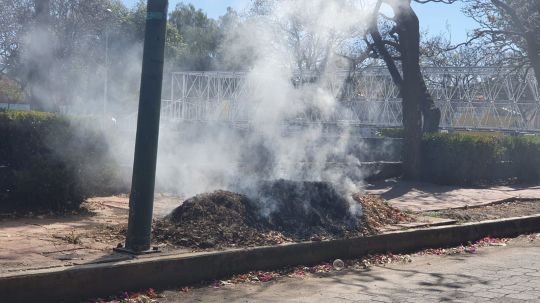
<point>37,242</point>
<point>494,274</point>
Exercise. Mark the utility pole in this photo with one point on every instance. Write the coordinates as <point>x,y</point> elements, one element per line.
<point>108,12</point>
<point>141,201</point>
<point>40,63</point>
<point>106,87</point>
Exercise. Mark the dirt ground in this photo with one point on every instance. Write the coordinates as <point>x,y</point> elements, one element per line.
<point>44,241</point>
<point>515,208</point>
<point>36,242</point>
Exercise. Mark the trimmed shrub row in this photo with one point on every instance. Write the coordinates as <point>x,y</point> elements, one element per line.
<point>52,163</point>
<point>524,154</point>
<point>474,158</point>
<point>395,133</point>
<point>480,158</point>
<point>459,158</point>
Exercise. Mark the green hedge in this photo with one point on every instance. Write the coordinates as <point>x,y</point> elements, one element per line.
<point>472,158</point>
<point>462,158</point>
<point>524,154</point>
<point>480,158</point>
<point>52,163</point>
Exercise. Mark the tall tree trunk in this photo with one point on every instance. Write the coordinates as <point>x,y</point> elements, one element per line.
<point>533,52</point>
<point>430,112</point>
<point>419,111</point>
<point>410,26</point>
<point>413,94</point>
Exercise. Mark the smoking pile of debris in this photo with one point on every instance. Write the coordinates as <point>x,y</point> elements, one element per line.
<point>278,211</point>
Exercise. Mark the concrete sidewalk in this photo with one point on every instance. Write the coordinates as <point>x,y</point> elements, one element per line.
<point>420,196</point>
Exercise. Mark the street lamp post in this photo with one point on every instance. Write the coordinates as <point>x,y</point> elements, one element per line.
<point>141,200</point>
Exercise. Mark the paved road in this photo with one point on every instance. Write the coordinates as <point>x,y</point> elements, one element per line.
<point>494,274</point>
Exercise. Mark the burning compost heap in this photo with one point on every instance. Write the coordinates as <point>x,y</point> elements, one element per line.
<point>274,212</point>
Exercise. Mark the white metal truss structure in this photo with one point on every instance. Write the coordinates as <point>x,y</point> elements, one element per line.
<point>469,98</point>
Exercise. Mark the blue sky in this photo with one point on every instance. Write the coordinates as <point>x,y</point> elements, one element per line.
<point>435,17</point>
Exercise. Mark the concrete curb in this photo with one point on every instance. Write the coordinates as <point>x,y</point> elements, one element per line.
<point>491,203</point>
<point>94,280</point>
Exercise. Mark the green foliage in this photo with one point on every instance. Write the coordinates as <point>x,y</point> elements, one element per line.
<point>200,36</point>
<point>192,38</point>
<point>174,46</point>
<point>48,162</point>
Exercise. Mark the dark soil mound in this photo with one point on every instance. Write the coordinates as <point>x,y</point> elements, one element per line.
<point>214,219</point>
<point>280,211</point>
<point>217,206</point>
<point>304,209</point>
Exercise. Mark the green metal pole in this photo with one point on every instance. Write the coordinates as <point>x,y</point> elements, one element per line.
<point>141,201</point>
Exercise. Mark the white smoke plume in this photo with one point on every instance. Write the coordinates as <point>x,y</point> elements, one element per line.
<point>288,54</point>
<point>298,37</point>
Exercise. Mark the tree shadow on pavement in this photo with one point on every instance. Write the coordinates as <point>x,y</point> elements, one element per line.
<point>397,188</point>
<point>377,284</point>
<point>393,282</point>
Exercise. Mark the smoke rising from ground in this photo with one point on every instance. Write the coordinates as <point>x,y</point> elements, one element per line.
<point>289,52</point>
<point>293,40</point>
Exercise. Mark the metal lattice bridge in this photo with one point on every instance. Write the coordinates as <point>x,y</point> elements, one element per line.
<point>469,98</point>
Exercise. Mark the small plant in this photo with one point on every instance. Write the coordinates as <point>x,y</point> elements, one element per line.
<point>72,238</point>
